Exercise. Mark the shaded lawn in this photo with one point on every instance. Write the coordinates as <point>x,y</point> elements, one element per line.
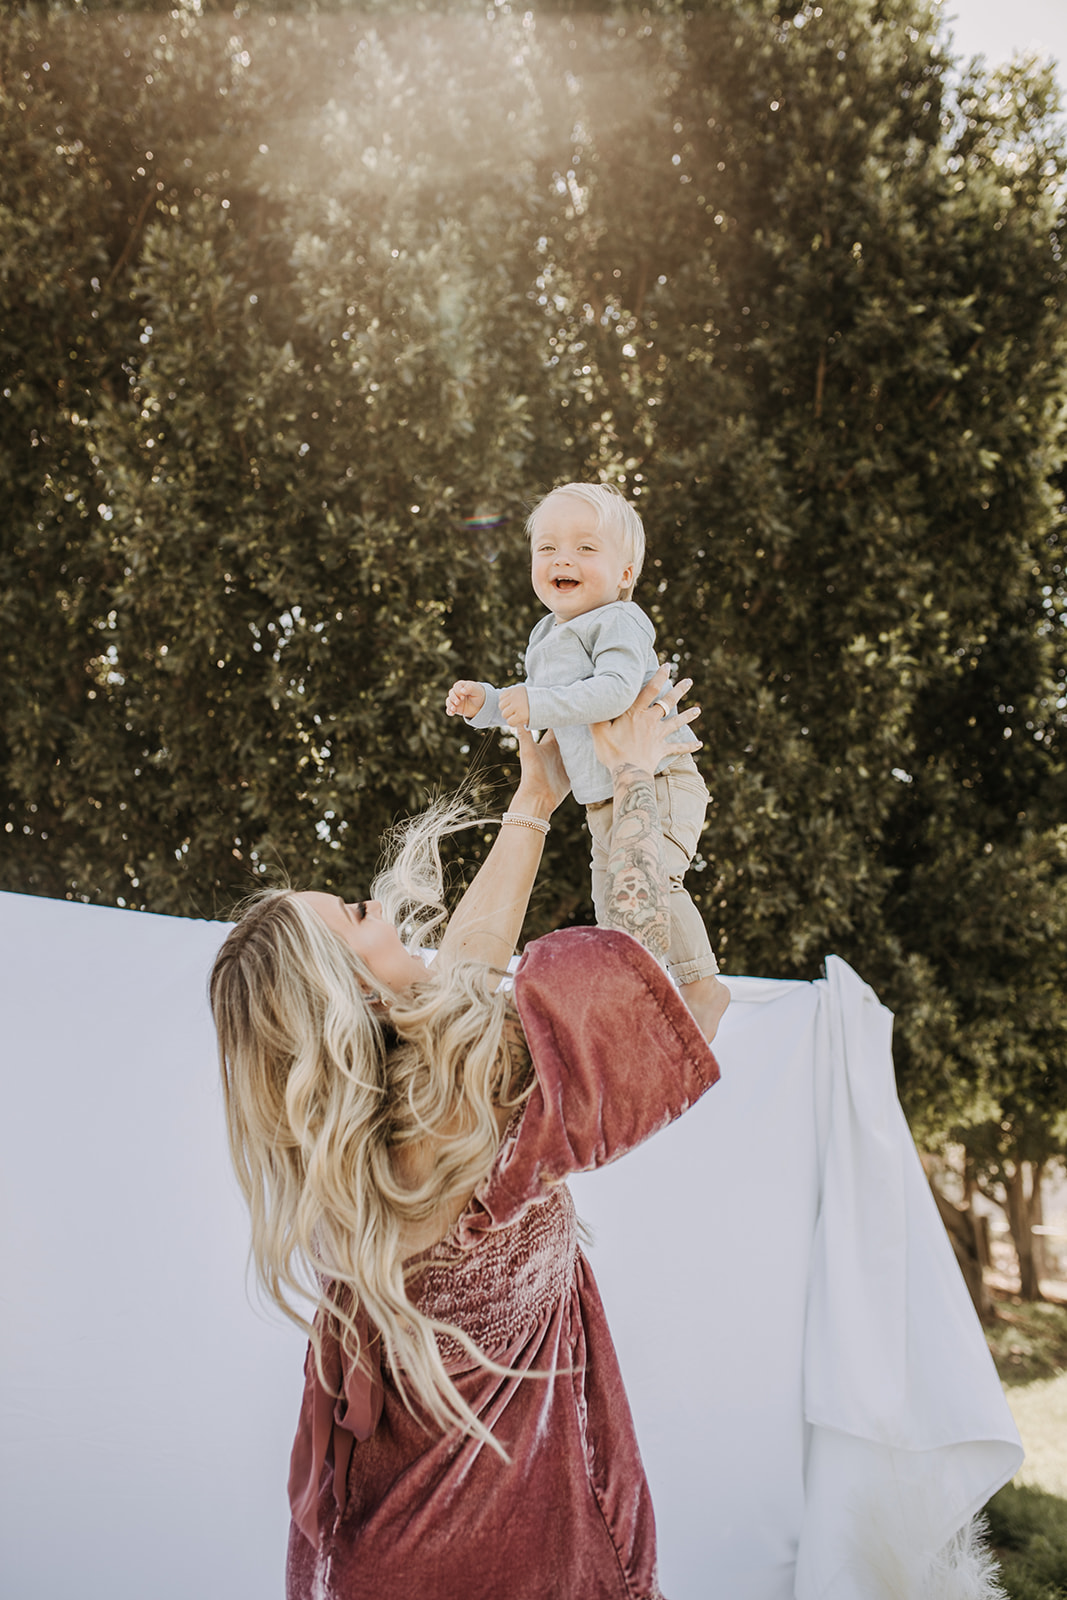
<point>1028,1521</point>
<point>1028,1534</point>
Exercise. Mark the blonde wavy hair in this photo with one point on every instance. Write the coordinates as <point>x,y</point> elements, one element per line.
<point>324,1088</point>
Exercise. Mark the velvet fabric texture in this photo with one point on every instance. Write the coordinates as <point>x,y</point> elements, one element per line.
<point>384,1507</point>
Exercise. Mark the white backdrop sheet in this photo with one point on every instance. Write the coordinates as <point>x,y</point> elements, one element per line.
<point>812,1391</point>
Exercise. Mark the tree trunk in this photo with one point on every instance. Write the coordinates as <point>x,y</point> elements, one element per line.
<point>979,1219</point>
<point>961,1226</point>
<point>1023,1191</point>
<point>1037,1220</point>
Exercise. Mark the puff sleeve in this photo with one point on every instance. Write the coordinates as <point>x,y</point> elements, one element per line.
<point>617,1056</point>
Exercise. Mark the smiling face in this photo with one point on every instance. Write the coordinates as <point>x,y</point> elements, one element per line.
<point>576,565</point>
<point>362,926</point>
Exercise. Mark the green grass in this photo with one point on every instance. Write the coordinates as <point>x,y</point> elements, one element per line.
<point>1028,1340</point>
<point>1028,1522</point>
<point>1028,1534</point>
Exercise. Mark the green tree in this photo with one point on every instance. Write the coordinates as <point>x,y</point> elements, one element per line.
<point>838,283</point>
<point>318,406</point>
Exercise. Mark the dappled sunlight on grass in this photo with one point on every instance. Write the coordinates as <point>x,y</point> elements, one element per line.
<point>1028,1341</point>
<point>1040,1412</point>
<point>1028,1518</point>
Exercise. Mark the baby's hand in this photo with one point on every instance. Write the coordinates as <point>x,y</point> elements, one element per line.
<point>465,699</point>
<point>515,706</point>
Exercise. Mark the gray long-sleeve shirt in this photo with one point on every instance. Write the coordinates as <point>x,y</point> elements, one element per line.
<point>578,672</point>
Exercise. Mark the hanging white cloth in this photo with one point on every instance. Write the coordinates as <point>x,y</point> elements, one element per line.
<point>813,1396</point>
<point>817,1408</point>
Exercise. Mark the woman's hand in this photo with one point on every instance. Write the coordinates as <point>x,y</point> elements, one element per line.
<point>488,920</point>
<point>641,736</point>
<point>543,780</point>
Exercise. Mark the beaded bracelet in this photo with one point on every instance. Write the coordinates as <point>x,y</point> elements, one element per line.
<point>527,822</point>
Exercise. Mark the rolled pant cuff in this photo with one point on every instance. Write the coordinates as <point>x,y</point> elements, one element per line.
<point>691,971</point>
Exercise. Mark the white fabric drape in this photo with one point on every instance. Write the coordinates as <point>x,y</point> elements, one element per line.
<point>815,1401</point>
<point>816,1406</point>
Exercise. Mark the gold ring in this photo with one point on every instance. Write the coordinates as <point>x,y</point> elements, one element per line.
<point>664,707</point>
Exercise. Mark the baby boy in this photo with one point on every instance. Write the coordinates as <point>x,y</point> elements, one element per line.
<point>586,662</point>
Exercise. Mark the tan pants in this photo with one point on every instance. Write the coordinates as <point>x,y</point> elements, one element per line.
<point>682,799</point>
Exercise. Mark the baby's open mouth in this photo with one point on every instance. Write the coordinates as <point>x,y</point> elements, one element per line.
<point>564,583</point>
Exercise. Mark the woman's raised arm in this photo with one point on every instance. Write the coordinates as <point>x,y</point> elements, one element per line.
<point>486,924</point>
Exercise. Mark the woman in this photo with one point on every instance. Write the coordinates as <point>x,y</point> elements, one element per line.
<point>464,1430</point>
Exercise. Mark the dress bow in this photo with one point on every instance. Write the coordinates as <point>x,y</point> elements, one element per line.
<point>348,1407</point>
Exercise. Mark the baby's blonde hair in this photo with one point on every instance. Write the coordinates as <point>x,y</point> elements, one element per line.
<point>323,1091</point>
<point>613,511</point>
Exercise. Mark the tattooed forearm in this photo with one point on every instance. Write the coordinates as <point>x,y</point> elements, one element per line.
<point>638,888</point>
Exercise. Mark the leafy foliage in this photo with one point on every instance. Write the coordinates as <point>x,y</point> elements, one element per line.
<point>301,311</point>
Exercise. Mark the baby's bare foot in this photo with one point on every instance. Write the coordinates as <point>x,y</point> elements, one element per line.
<point>707,999</point>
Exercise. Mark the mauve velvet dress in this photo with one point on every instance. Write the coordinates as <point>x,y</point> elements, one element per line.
<point>383,1509</point>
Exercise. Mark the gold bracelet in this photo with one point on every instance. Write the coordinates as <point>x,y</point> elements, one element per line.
<point>527,822</point>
